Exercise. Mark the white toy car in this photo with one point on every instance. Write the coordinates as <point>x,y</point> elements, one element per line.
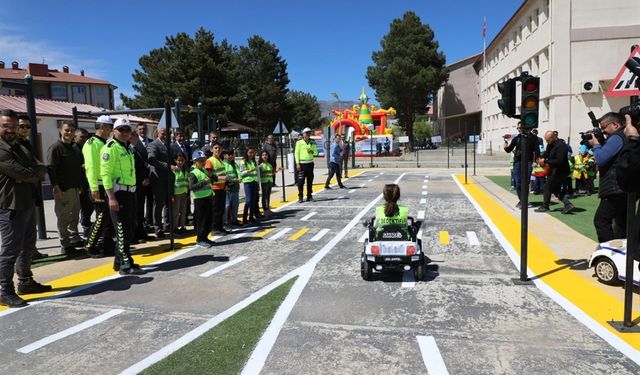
<point>609,262</point>
<point>392,247</point>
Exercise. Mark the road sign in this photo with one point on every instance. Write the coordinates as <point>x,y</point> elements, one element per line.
<point>403,139</point>
<point>280,129</point>
<point>625,82</point>
<point>474,138</point>
<point>436,139</point>
<point>163,122</point>
<point>244,135</point>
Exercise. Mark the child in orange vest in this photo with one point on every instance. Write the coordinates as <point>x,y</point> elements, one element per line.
<point>540,171</point>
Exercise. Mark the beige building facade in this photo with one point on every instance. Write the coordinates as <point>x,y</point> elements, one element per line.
<point>567,43</point>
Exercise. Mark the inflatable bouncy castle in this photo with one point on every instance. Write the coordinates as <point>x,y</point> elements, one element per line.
<point>356,122</point>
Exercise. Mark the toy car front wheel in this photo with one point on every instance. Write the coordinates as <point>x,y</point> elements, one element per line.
<point>606,271</point>
<point>366,270</point>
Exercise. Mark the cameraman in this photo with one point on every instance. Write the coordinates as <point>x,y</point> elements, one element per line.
<point>613,202</point>
<point>628,167</point>
<point>532,147</point>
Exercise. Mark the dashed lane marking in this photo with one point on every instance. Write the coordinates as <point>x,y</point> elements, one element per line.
<point>299,234</point>
<point>362,185</point>
<point>223,266</point>
<point>473,239</point>
<point>351,191</point>
<point>369,180</point>
<point>264,233</point>
<point>423,201</point>
<point>69,331</point>
<point>340,197</point>
<point>307,216</point>
<point>444,237</point>
<point>431,356</point>
<point>419,235</point>
<point>421,215</point>
<point>242,234</point>
<point>364,236</point>
<point>319,235</point>
<point>424,193</point>
<point>424,186</point>
<point>281,233</point>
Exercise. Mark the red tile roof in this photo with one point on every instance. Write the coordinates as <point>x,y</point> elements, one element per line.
<point>55,108</point>
<point>53,76</point>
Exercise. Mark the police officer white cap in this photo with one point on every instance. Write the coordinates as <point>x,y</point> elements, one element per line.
<point>104,119</point>
<point>121,122</point>
<point>306,130</point>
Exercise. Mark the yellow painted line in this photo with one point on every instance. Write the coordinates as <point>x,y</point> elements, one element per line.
<point>299,234</point>
<point>444,237</point>
<point>264,233</point>
<point>149,255</point>
<point>592,300</point>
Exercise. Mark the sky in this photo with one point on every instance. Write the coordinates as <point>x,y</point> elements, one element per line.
<point>327,44</point>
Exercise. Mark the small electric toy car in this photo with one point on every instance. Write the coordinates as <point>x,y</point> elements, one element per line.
<point>392,247</point>
<point>609,260</point>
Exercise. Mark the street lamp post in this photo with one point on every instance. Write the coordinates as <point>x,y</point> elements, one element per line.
<point>370,126</point>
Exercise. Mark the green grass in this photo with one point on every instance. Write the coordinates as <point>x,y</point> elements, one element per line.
<point>225,348</point>
<point>580,220</point>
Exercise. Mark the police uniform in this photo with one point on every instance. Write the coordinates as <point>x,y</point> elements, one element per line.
<point>100,240</point>
<point>304,154</point>
<point>117,169</point>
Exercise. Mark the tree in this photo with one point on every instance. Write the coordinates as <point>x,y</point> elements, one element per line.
<point>263,84</point>
<point>192,69</point>
<point>422,129</point>
<point>303,111</point>
<point>408,70</point>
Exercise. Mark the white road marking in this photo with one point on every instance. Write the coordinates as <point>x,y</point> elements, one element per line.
<point>351,191</point>
<point>408,279</point>
<point>223,266</point>
<point>242,234</point>
<point>424,193</point>
<point>381,172</point>
<point>340,197</point>
<point>280,234</point>
<point>473,239</point>
<point>421,215</point>
<point>362,185</point>
<point>424,186</point>
<point>364,236</point>
<point>423,201</point>
<point>369,180</point>
<point>419,235</point>
<point>260,353</point>
<point>306,217</point>
<point>69,331</point>
<point>615,341</point>
<point>319,235</point>
<point>431,356</point>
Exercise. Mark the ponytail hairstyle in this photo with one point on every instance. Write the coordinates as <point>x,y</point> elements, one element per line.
<point>391,194</point>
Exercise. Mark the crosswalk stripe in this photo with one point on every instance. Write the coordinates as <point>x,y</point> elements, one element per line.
<point>362,185</point>
<point>424,186</point>
<point>423,201</point>
<point>319,235</point>
<point>264,232</point>
<point>408,279</point>
<point>280,234</point>
<point>351,191</point>
<point>299,234</point>
<point>431,356</point>
<point>444,237</point>
<point>369,180</point>
<point>242,234</point>
<point>364,236</point>
<point>340,197</point>
<point>424,193</point>
<point>223,266</point>
<point>306,217</point>
<point>421,215</point>
<point>473,239</point>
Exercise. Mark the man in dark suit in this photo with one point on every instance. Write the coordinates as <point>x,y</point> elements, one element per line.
<point>557,157</point>
<point>147,193</point>
<point>159,162</point>
<point>142,181</point>
<point>181,146</point>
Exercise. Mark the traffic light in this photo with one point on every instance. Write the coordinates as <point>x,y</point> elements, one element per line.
<point>530,102</point>
<point>508,102</point>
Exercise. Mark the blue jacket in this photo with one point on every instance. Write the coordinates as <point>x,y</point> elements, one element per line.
<point>335,153</point>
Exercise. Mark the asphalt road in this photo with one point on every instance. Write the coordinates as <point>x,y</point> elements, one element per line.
<point>479,320</point>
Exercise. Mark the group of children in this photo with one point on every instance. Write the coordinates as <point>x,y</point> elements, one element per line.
<point>199,181</point>
<point>583,171</point>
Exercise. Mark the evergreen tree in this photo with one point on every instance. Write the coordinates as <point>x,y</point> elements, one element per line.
<point>303,111</point>
<point>408,70</point>
<point>263,84</point>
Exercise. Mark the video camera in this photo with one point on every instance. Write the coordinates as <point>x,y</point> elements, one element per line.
<point>633,111</point>
<point>594,132</point>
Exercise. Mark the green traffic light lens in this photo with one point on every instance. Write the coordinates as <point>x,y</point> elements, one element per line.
<point>530,120</point>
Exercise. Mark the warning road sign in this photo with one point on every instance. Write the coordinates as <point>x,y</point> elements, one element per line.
<point>625,82</point>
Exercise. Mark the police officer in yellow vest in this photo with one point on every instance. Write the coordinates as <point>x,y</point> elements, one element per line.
<point>391,213</point>
<point>117,170</point>
<point>215,165</point>
<point>100,240</point>
<point>305,151</point>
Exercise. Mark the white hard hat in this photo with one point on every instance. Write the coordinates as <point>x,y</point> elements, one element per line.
<point>104,119</point>
<point>305,130</point>
<point>121,122</point>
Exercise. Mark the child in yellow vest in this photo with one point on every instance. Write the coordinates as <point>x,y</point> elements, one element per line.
<point>180,198</point>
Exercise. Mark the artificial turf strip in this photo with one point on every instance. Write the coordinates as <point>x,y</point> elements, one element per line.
<point>580,220</point>
<point>225,348</point>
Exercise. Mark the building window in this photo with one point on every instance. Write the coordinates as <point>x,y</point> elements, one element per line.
<point>59,91</point>
<point>544,60</point>
<point>544,16</point>
<point>544,109</point>
<point>536,17</point>
<point>79,94</point>
<point>535,63</point>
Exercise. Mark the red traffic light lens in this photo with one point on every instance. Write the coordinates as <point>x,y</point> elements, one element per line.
<point>530,85</point>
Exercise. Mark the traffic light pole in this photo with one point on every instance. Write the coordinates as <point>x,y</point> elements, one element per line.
<point>524,203</point>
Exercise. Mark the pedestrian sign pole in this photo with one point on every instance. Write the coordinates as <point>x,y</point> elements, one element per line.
<point>282,131</point>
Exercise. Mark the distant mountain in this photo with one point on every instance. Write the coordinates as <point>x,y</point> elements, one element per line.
<point>327,105</point>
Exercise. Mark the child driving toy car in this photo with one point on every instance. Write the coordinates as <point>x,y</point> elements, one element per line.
<point>391,213</point>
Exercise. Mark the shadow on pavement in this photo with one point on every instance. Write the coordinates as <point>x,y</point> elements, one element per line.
<point>115,285</point>
<point>574,264</point>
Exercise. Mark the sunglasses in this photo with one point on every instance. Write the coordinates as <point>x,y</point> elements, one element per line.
<point>25,126</point>
<point>123,129</point>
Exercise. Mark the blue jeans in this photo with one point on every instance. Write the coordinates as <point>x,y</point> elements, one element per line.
<point>516,175</point>
<point>231,207</point>
<point>250,200</point>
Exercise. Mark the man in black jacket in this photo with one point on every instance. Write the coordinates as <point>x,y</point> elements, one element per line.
<point>160,162</point>
<point>556,155</point>
<point>142,182</point>
<point>19,174</point>
<point>532,153</point>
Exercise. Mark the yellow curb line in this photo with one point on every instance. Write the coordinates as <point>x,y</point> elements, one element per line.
<point>591,300</point>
